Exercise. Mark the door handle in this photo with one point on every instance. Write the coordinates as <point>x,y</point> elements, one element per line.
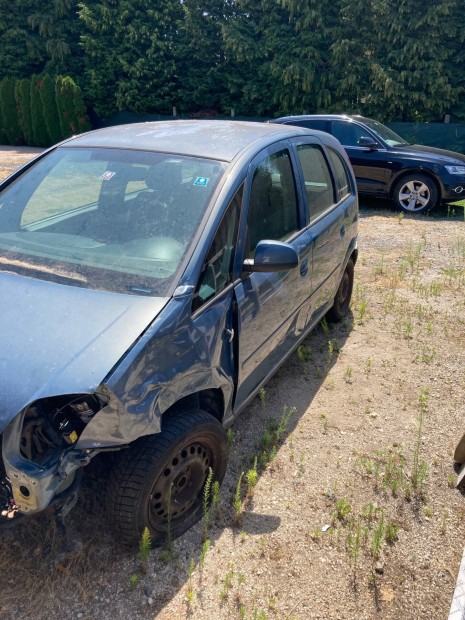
<point>342,232</point>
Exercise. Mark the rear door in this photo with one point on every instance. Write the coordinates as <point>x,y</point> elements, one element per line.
<point>332,211</point>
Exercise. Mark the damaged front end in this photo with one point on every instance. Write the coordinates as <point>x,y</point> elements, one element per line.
<point>40,462</point>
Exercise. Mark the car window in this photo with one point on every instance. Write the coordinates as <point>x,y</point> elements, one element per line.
<point>340,173</point>
<point>217,270</point>
<point>109,219</point>
<point>310,124</point>
<point>273,207</point>
<point>318,181</point>
<point>348,133</point>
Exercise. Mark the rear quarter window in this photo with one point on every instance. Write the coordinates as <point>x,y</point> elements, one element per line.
<point>343,186</point>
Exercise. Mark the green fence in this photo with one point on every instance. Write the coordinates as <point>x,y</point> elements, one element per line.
<point>449,136</point>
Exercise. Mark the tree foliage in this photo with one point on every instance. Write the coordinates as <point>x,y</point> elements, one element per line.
<point>40,133</point>
<point>392,59</point>
<point>71,108</point>
<point>23,104</point>
<point>50,109</point>
<point>9,114</point>
<point>130,56</point>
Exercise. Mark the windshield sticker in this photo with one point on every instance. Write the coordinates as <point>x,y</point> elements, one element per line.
<point>106,176</point>
<point>201,181</point>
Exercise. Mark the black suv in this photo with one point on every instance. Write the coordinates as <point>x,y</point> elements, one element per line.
<point>415,177</point>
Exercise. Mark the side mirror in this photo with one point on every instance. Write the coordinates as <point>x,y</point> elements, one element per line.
<point>368,143</point>
<point>272,256</point>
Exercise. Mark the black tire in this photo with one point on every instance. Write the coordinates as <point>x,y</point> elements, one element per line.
<point>340,307</point>
<point>415,193</point>
<point>459,454</point>
<point>179,457</point>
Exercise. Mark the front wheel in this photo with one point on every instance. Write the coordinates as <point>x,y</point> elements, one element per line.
<point>340,307</point>
<point>415,193</point>
<point>158,482</point>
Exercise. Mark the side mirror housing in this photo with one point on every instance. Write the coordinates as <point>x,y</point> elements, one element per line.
<point>368,142</point>
<point>272,256</point>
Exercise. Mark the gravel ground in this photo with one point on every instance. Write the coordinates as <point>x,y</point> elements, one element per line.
<point>354,517</point>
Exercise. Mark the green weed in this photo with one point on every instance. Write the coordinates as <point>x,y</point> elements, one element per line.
<point>134,580</point>
<point>207,504</point>
<point>304,354</point>
<point>391,533</point>
<point>203,554</point>
<point>378,538</point>
<point>343,510</point>
<point>251,476</point>
<point>145,545</point>
<point>419,468</point>
<point>324,418</point>
<point>237,503</point>
<point>227,583</point>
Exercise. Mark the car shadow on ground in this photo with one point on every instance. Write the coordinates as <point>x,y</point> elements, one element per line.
<point>90,575</point>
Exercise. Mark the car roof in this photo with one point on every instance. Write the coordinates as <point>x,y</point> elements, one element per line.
<point>222,140</point>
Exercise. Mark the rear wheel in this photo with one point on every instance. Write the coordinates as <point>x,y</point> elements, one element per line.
<point>341,303</point>
<point>158,482</point>
<point>415,193</point>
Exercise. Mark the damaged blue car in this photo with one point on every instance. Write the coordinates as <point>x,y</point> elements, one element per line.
<point>152,278</point>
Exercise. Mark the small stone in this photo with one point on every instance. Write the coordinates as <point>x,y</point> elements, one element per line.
<point>379,568</point>
<point>150,600</point>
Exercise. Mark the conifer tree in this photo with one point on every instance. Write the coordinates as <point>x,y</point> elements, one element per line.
<point>202,66</point>
<point>10,119</point>
<point>21,50</point>
<point>23,103</point>
<point>71,108</point>
<point>56,24</point>
<point>130,56</point>
<point>50,110</point>
<point>412,73</point>
<point>40,133</point>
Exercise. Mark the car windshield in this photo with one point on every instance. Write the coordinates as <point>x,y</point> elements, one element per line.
<point>107,219</point>
<point>386,134</point>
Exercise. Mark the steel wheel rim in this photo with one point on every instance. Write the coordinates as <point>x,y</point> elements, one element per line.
<point>182,481</point>
<point>414,195</point>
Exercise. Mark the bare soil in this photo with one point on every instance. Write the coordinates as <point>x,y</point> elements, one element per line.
<point>368,451</point>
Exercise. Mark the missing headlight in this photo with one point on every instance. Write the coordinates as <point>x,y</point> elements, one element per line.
<point>55,423</point>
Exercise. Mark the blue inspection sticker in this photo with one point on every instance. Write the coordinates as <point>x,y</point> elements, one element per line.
<point>201,181</point>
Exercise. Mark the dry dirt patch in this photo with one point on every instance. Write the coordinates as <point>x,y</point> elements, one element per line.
<point>379,407</point>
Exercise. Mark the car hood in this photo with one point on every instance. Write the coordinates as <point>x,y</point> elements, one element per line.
<point>58,339</point>
<point>432,154</point>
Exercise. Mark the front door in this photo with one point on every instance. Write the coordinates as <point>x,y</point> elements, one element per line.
<point>272,308</point>
<point>370,165</point>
